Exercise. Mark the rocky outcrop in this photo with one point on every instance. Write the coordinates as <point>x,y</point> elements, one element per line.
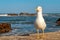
<point>58,22</point>
<point>5,27</point>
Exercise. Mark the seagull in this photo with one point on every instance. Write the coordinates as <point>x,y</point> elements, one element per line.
<point>40,22</point>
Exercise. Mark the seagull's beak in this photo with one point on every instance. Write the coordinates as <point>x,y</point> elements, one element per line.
<point>36,9</point>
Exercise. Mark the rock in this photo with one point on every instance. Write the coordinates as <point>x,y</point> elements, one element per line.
<point>58,21</point>
<point>5,27</point>
<point>25,35</point>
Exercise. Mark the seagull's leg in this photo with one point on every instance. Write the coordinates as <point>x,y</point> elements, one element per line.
<point>43,33</point>
<point>38,33</point>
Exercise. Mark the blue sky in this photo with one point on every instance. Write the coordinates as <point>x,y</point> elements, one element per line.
<point>17,6</point>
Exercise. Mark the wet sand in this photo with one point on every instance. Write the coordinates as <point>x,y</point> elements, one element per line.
<point>48,36</point>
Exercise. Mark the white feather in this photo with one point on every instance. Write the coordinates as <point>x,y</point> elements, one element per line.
<point>40,22</point>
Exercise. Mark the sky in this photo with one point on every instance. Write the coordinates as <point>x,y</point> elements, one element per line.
<point>17,6</point>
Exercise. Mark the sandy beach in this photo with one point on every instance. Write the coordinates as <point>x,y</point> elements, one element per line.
<point>48,36</point>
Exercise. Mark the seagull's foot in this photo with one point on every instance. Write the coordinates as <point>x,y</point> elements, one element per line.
<point>43,37</point>
<point>38,37</point>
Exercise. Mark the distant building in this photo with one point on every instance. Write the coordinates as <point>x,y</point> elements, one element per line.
<point>12,14</point>
<point>26,14</point>
<point>23,14</point>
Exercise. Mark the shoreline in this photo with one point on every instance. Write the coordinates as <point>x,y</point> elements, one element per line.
<point>49,36</point>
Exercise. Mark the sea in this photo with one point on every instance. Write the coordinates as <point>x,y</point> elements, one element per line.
<point>22,25</point>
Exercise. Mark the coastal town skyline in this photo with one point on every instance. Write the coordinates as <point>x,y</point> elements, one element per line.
<point>18,6</point>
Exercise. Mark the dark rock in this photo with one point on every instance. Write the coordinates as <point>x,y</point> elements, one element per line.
<point>58,22</point>
<point>25,35</point>
<point>5,27</point>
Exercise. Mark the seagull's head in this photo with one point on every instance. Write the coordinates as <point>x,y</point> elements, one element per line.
<point>39,9</point>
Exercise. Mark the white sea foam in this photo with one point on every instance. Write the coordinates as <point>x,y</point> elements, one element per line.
<point>3,14</point>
